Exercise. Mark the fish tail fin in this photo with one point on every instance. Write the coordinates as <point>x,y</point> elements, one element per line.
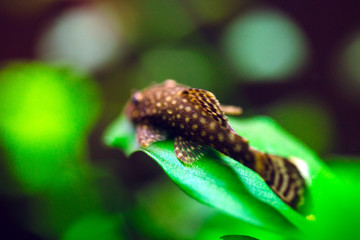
<point>281,175</point>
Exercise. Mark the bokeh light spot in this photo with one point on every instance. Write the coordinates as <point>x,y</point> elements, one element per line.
<point>45,114</point>
<point>34,105</point>
<point>37,102</point>
<point>86,38</point>
<point>352,59</point>
<point>349,67</point>
<point>265,45</point>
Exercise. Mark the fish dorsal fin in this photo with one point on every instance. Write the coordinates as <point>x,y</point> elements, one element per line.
<point>146,135</point>
<point>207,102</point>
<point>188,151</point>
<point>231,110</point>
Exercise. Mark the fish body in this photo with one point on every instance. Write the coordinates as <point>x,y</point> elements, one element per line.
<point>195,119</point>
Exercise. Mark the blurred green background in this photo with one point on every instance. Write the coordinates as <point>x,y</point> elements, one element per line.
<point>68,67</point>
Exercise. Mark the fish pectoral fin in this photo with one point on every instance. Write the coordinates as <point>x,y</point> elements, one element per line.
<point>231,110</point>
<point>147,134</point>
<point>188,151</point>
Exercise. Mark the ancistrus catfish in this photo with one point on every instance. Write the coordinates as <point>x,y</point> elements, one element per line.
<point>195,119</point>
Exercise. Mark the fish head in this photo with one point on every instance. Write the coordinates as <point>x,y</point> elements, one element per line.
<point>132,109</point>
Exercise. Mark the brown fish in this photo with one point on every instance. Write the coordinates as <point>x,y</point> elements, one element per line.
<point>195,119</point>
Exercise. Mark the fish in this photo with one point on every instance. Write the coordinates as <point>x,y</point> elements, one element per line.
<point>196,121</point>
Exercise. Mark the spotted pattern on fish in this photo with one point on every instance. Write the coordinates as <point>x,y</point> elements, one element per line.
<point>195,120</point>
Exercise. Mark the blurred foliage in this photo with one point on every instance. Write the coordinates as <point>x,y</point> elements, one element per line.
<point>176,216</point>
<point>205,10</point>
<point>307,119</point>
<point>46,115</point>
<point>165,62</point>
<point>95,226</point>
<point>151,21</point>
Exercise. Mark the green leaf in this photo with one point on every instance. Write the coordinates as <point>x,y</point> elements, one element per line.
<point>122,135</point>
<point>347,168</point>
<point>225,184</point>
<point>338,215</point>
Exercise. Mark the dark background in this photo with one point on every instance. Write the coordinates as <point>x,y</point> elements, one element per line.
<point>318,103</point>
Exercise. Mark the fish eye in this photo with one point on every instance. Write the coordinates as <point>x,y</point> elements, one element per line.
<point>136,97</point>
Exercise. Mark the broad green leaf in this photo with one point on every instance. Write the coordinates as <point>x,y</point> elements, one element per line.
<point>225,184</point>
<point>348,168</point>
<point>338,215</point>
